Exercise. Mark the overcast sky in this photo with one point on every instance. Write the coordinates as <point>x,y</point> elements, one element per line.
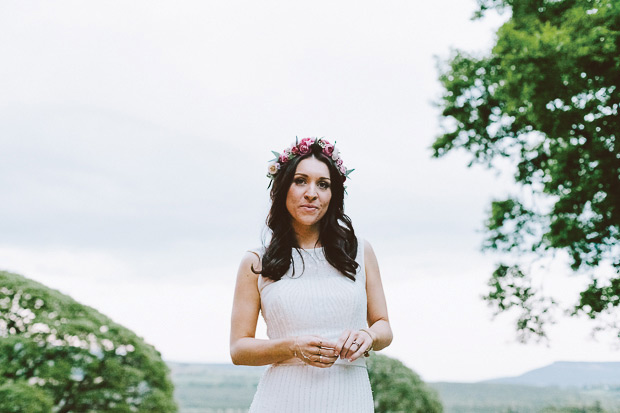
<point>134,141</point>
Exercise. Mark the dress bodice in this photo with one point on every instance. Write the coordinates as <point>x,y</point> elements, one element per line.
<point>314,298</point>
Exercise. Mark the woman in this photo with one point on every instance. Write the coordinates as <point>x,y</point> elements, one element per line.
<point>319,290</point>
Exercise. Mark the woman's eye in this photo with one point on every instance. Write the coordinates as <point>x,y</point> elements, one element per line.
<point>323,185</point>
<point>300,181</point>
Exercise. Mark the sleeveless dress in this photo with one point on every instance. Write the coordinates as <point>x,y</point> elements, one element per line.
<point>314,300</point>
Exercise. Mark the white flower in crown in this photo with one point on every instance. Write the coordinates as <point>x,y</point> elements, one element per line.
<point>336,154</point>
<point>273,169</point>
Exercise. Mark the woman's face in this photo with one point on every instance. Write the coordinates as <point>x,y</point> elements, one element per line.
<point>309,195</point>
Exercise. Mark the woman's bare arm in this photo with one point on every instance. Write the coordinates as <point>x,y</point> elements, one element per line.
<point>353,344</point>
<point>377,306</point>
<point>245,349</point>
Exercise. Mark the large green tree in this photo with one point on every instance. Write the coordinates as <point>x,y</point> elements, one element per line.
<point>397,388</point>
<point>545,97</point>
<point>58,355</point>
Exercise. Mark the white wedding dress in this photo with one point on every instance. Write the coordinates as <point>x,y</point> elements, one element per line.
<point>316,300</point>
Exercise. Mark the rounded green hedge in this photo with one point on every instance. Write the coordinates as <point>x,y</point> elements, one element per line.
<point>56,351</point>
<point>397,388</point>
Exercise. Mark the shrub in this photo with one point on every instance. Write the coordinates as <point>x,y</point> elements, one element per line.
<point>53,349</point>
<point>397,388</point>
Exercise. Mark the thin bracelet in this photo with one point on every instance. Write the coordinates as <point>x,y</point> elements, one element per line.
<point>303,355</point>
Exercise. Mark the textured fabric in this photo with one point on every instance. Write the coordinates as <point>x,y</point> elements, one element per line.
<point>314,299</point>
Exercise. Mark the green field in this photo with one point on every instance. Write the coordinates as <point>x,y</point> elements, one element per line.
<point>210,388</point>
<point>504,398</point>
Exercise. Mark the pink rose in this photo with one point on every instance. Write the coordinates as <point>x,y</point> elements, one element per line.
<point>303,147</point>
<point>295,150</point>
<point>283,158</point>
<point>328,149</point>
<point>339,163</point>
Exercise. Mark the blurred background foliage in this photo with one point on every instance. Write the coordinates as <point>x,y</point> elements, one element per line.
<point>546,97</point>
<point>397,388</point>
<point>58,355</point>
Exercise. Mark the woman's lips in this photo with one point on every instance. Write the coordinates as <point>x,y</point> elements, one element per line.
<point>309,208</point>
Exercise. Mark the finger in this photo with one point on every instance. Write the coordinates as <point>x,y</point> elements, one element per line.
<point>342,340</point>
<point>328,344</point>
<point>322,343</point>
<point>316,341</point>
<point>328,352</point>
<point>360,352</point>
<point>346,348</point>
<point>352,345</point>
<point>321,361</point>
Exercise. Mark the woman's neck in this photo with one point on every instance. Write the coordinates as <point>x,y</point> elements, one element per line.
<point>307,236</point>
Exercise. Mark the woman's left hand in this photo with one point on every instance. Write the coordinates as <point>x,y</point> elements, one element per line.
<point>352,344</point>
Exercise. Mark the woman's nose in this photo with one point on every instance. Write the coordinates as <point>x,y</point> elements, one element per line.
<point>310,192</point>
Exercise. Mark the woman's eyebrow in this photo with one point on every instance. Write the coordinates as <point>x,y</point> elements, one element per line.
<point>304,175</point>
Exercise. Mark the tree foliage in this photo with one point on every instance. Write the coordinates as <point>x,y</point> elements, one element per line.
<point>19,397</point>
<point>58,355</point>
<point>396,388</point>
<point>596,408</point>
<point>546,97</point>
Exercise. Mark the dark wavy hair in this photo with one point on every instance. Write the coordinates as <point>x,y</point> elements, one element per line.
<point>336,233</point>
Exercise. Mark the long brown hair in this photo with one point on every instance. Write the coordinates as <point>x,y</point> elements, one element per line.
<point>336,233</point>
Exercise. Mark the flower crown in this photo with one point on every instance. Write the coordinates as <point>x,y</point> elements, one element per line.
<point>304,147</point>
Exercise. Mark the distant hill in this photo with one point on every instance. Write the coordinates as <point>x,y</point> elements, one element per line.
<point>506,398</point>
<point>213,388</point>
<point>568,374</point>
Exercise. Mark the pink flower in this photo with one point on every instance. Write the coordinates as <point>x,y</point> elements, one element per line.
<point>284,157</point>
<point>294,150</point>
<point>304,148</point>
<point>305,145</point>
<point>339,163</point>
<point>328,149</point>
<point>343,170</point>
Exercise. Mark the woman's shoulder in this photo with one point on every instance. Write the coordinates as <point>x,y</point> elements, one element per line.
<point>362,244</point>
<point>252,258</point>
<point>369,253</point>
<point>257,252</point>
<point>364,248</point>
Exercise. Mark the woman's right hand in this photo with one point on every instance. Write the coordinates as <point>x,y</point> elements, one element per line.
<point>315,351</point>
